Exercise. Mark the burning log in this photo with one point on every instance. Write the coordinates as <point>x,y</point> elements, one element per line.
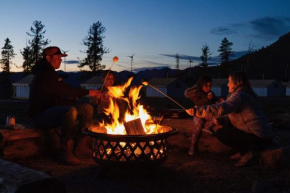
<point>134,127</point>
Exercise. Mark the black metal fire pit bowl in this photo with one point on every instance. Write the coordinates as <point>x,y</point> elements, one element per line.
<point>130,150</point>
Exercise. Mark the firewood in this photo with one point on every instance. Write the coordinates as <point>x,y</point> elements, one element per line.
<point>28,142</point>
<point>134,127</point>
<point>11,135</point>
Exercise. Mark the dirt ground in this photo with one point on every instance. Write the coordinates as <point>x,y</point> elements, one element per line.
<point>203,172</point>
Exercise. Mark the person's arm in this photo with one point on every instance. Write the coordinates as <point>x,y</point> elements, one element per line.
<point>188,93</point>
<point>55,85</point>
<point>233,103</point>
<point>199,100</point>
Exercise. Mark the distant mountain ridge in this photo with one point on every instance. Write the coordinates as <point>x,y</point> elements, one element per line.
<point>271,62</point>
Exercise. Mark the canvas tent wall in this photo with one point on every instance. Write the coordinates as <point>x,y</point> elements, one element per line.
<point>21,88</point>
<point>264,88</point>
<point>172,87</point>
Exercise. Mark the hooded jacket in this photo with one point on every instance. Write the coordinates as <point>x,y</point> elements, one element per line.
<point>48,89</point>
<point>199,97</point>
<point>243,111</point>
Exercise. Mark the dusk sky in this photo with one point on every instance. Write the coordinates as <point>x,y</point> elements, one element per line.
<point>153,30</point>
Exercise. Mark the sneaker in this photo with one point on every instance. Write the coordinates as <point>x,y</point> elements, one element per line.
<point>66,155</point>
<point>245,159</point>
<point>236,156</point>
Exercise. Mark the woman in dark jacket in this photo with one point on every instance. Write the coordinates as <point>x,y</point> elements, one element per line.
<point>200,94</point>
<point>249,129</point>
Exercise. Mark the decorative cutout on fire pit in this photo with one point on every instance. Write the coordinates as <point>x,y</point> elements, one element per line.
<point>129,149</point>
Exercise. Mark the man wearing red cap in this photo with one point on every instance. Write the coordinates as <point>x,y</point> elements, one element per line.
<point>50,103</point>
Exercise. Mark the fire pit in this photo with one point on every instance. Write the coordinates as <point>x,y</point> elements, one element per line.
<point>136,139</point>
<point>150,149</point>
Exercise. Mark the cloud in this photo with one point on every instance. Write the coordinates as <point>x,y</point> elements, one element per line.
<point>269,28</point>
<point>156,63</point>
<point>266,28</point>
<point>222,31</point>
<point>182,57</point>
<point>71,62</point>
<point>122,66</point>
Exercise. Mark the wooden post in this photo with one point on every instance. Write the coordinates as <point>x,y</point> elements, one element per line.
<point>134,127</point>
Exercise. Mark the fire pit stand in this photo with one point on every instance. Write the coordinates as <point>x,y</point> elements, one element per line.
<point>140,150</point>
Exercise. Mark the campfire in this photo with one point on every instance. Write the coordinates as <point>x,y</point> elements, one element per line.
<point>137,139</point>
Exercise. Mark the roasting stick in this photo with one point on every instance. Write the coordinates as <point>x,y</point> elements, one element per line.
<point>145,83</point>
<point>115,59</point>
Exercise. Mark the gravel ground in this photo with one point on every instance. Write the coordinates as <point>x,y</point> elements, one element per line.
<point>204,172</point>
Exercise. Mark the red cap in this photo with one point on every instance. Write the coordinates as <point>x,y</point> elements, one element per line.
<point>53,50</point>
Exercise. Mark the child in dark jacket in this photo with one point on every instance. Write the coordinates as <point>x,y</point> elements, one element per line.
<point>200,94</point>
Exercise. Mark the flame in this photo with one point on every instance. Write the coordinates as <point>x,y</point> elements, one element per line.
<point>134,110</point>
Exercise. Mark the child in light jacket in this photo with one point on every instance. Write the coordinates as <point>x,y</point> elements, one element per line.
<point>201,95</point>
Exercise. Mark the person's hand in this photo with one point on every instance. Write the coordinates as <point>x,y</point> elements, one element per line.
<point>221,100</point>
<point>210,95</point>
<point>95,93</point>
<point>190,111</point>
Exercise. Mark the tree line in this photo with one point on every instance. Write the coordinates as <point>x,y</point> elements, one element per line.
<point>95,49</point>
<point>225,50</point>
<point>32,52</point>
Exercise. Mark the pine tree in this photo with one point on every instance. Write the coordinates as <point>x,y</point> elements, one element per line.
<point>205,55</point>
<point>7,55</point>
<point>95,49</point>
<point>225,50</point>
<point>37,43</point>
<point>27,57</point>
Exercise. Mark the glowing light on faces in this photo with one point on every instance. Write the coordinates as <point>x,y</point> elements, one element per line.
<point>231,85</point>
<point>110,80</point>
<point>207,87</point>
<point>54,60</point>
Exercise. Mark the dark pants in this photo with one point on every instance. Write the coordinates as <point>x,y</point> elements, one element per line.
<point>66,117</point>
<point>241,141</point>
